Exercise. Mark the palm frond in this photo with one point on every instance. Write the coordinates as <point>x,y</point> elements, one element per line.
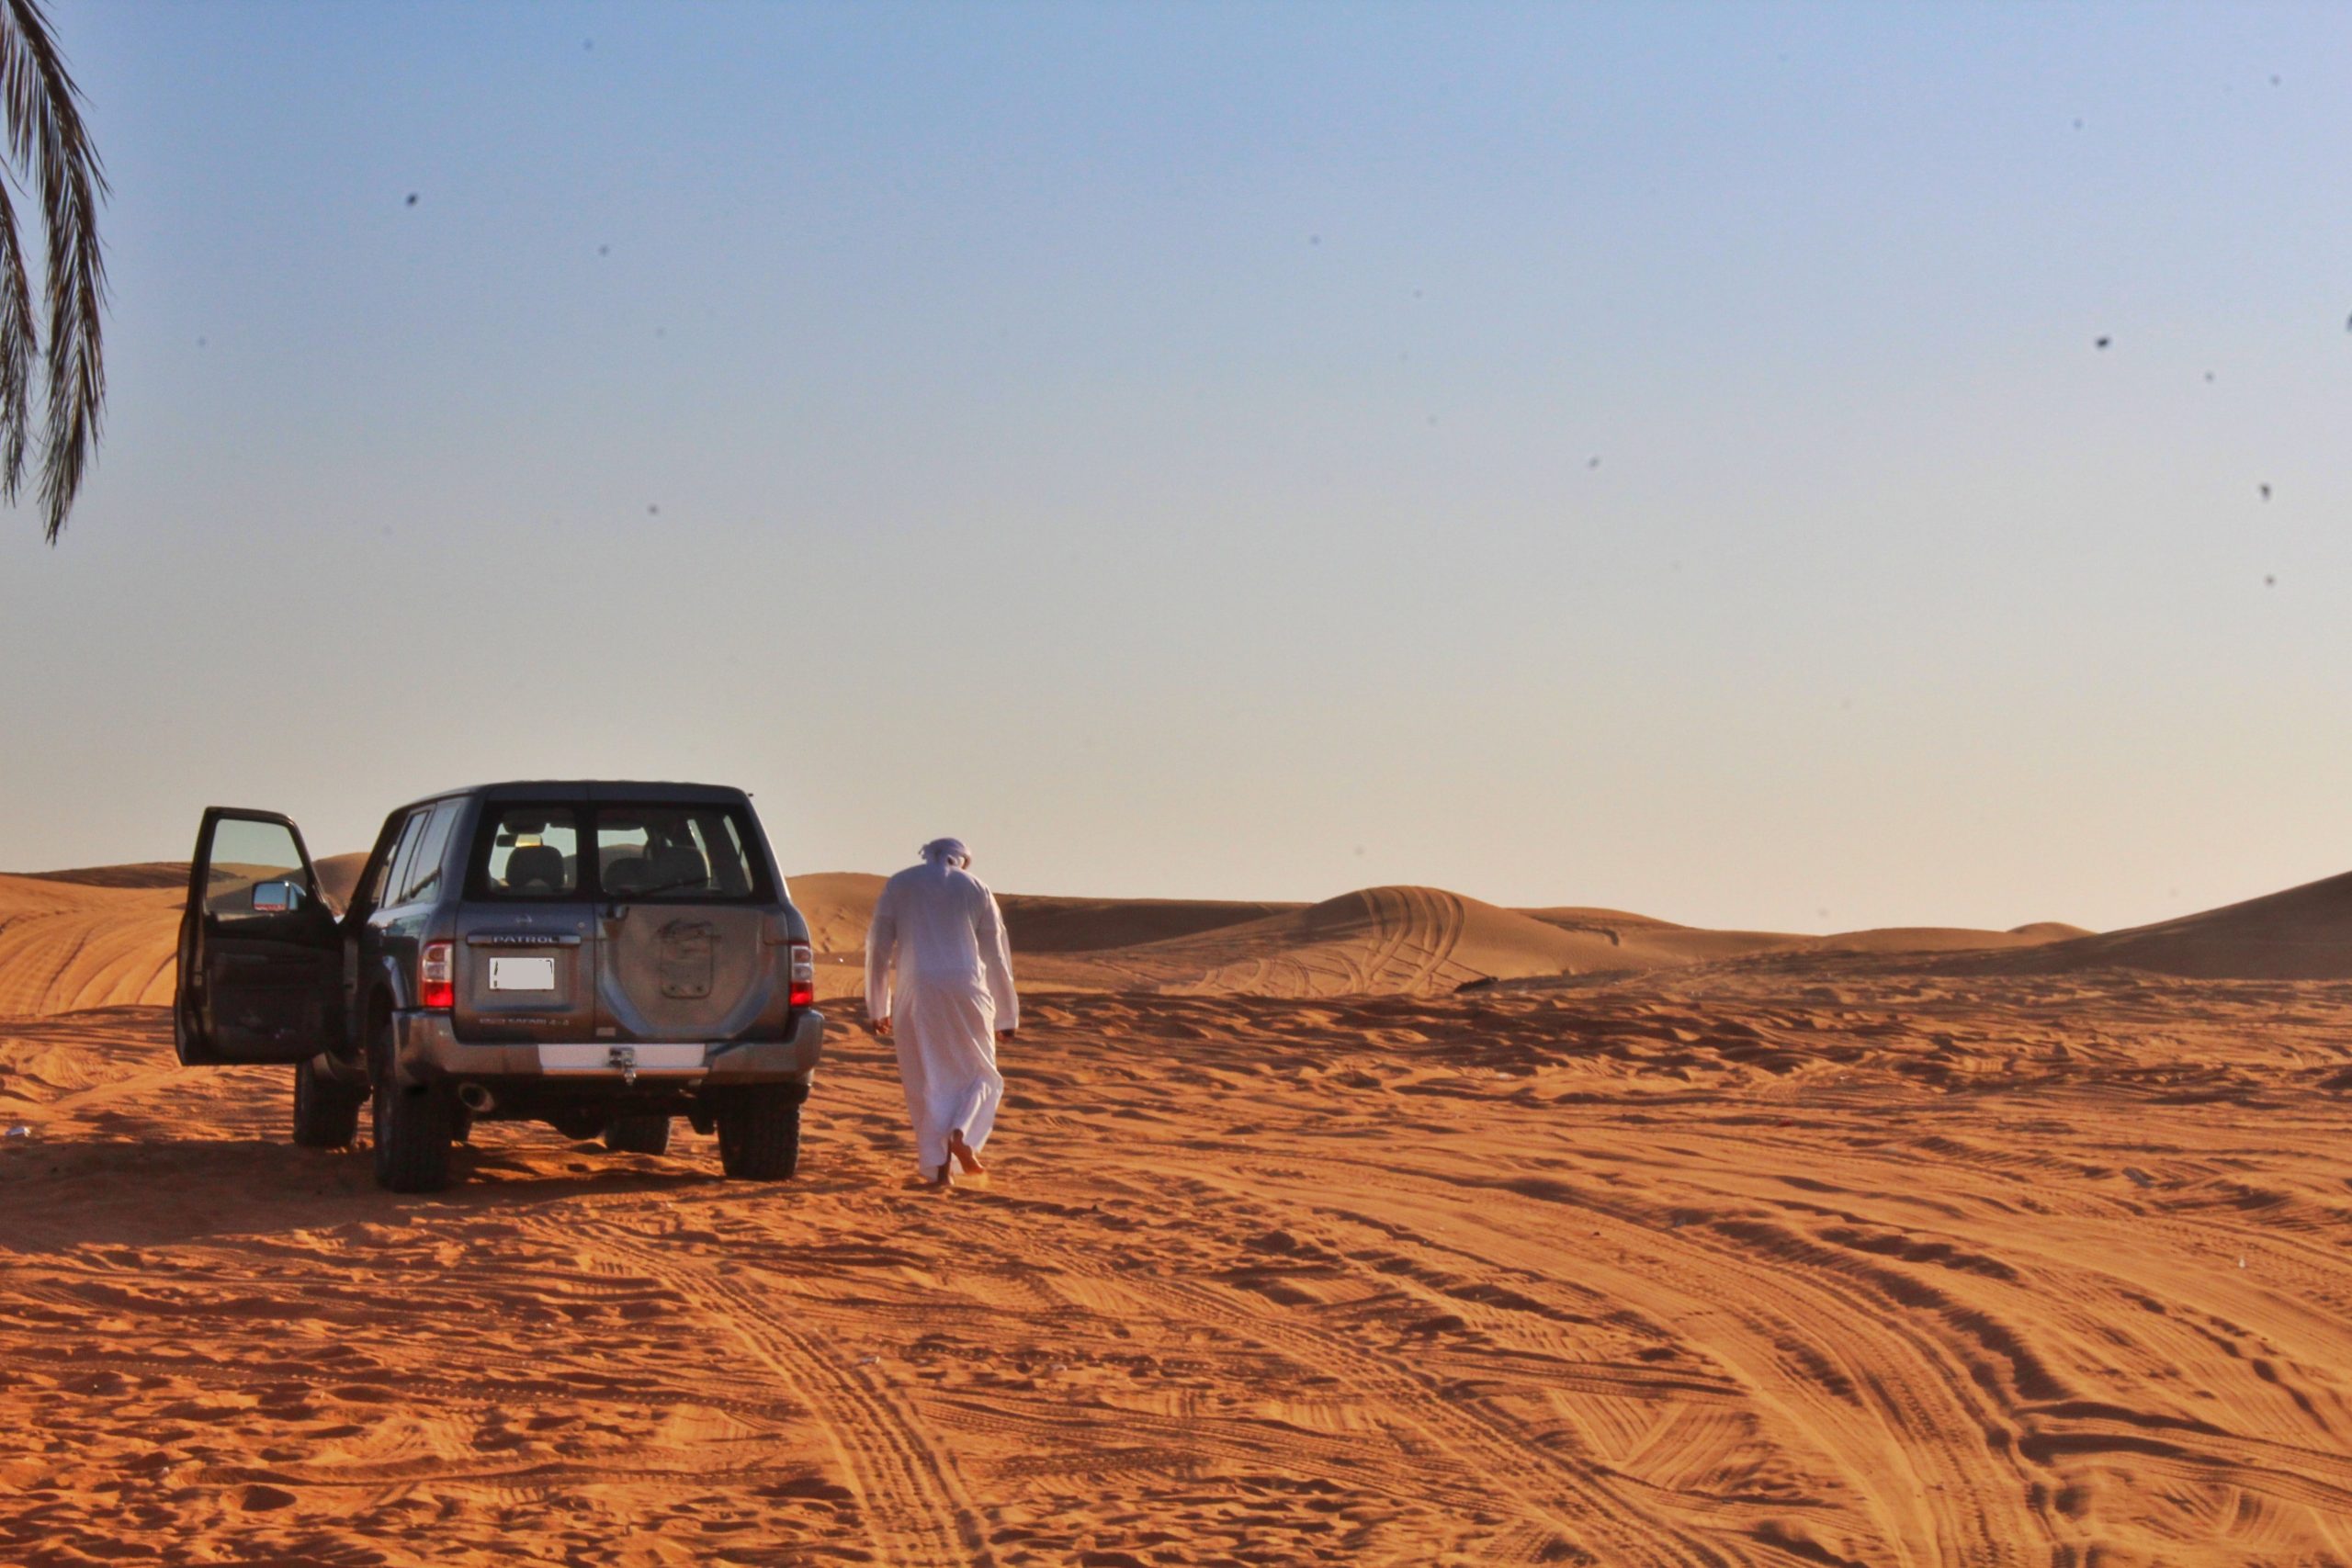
<point>19,339</point>
<point>48,144</point>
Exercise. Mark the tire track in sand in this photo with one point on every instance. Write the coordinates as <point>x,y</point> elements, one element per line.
<point>1625,1531</point>
<point>1873,1381</point>
<point>1608,1527</point>
<point>904,1482</point>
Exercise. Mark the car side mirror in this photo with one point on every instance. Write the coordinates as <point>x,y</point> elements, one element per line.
<point>278,898</point>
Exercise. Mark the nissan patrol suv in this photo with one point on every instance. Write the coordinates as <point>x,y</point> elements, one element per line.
<point>602,957</point>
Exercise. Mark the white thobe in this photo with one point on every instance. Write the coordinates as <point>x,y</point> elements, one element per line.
<point>939,925</point>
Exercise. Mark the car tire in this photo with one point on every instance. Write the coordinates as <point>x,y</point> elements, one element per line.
<point>326,1113</point>
<point>637,1135</point>
<point>759,1133</point>
<point>411,1129</point>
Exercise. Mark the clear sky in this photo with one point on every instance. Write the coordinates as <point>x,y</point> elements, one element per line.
<point>1634,454</point>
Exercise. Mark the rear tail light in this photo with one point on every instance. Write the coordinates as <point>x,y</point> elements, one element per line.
<point>804,976</point>
<point>437,976</point>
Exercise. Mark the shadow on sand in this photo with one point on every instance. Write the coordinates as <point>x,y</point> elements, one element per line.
<point>63,1192</point>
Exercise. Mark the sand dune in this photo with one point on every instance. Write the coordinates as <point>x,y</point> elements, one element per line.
<point>2049,930</point>
<point>1421,940</point>
<point>1095,925</point>
<point>338,875</point>
<point>82,944</point>
<point>1651,943</point>
<point>1644,943</point>
<point>2303,933</point>
<point>1936,939</point>
<point>838,906</point>
<point>1381,941</point>
<point>103,936</point>
<point>141,873</point>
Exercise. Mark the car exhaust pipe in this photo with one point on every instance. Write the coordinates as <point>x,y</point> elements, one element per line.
<point>476,1098</point>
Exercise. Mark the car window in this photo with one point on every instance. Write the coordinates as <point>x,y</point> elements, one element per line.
<point>424,875</point>
<point>403,853</point>
<point>674,851</point>
<point>730,862</point>
<point>370,892</point>
<point>255,869</point>
<point>527,851</point>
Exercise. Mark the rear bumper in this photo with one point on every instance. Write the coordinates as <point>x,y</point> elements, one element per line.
<point>427,1050</point>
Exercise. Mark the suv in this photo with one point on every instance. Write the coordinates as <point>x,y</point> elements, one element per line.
<point>602,957</point>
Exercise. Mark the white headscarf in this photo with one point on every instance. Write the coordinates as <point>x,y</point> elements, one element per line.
<point>950,851</point>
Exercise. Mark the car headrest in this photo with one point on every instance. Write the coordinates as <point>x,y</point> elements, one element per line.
<point>539,865</point>
<point>679,865</point>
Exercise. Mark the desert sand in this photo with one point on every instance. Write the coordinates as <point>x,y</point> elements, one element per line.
<point>1394,1229</point>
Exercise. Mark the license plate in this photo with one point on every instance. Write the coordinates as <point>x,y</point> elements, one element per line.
<point>522,973</point>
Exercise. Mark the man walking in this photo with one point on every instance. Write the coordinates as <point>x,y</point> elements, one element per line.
<point>939,925</point>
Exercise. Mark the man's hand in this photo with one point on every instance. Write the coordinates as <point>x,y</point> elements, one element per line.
<point>1004,1034</point>
<point>881,1027</point>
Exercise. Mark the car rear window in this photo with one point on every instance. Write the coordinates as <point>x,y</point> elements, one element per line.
<point>698,853</point>
<point>683,852</point>
<point>527,851</point>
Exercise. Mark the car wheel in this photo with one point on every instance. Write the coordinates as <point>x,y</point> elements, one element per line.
<point>326,1113</point>
<point>411,1129</point>
<point>759,1132</point>
<point>637,1134</point>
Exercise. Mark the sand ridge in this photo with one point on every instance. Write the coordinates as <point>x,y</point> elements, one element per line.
<point>1379,940</point>
<point>2302,933</point>
<point>105,936</point>
<point>1375,941</point>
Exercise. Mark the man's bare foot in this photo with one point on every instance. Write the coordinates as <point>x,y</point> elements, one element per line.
<point>966,1156</point>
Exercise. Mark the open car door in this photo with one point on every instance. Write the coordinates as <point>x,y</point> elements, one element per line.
<point>261,952</point>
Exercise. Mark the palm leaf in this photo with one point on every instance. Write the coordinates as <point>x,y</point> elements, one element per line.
<point>50,149</point>
<point>19,339</point>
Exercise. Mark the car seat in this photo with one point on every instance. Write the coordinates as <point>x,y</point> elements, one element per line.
<point>534,868</point>
<point>680,866</point>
